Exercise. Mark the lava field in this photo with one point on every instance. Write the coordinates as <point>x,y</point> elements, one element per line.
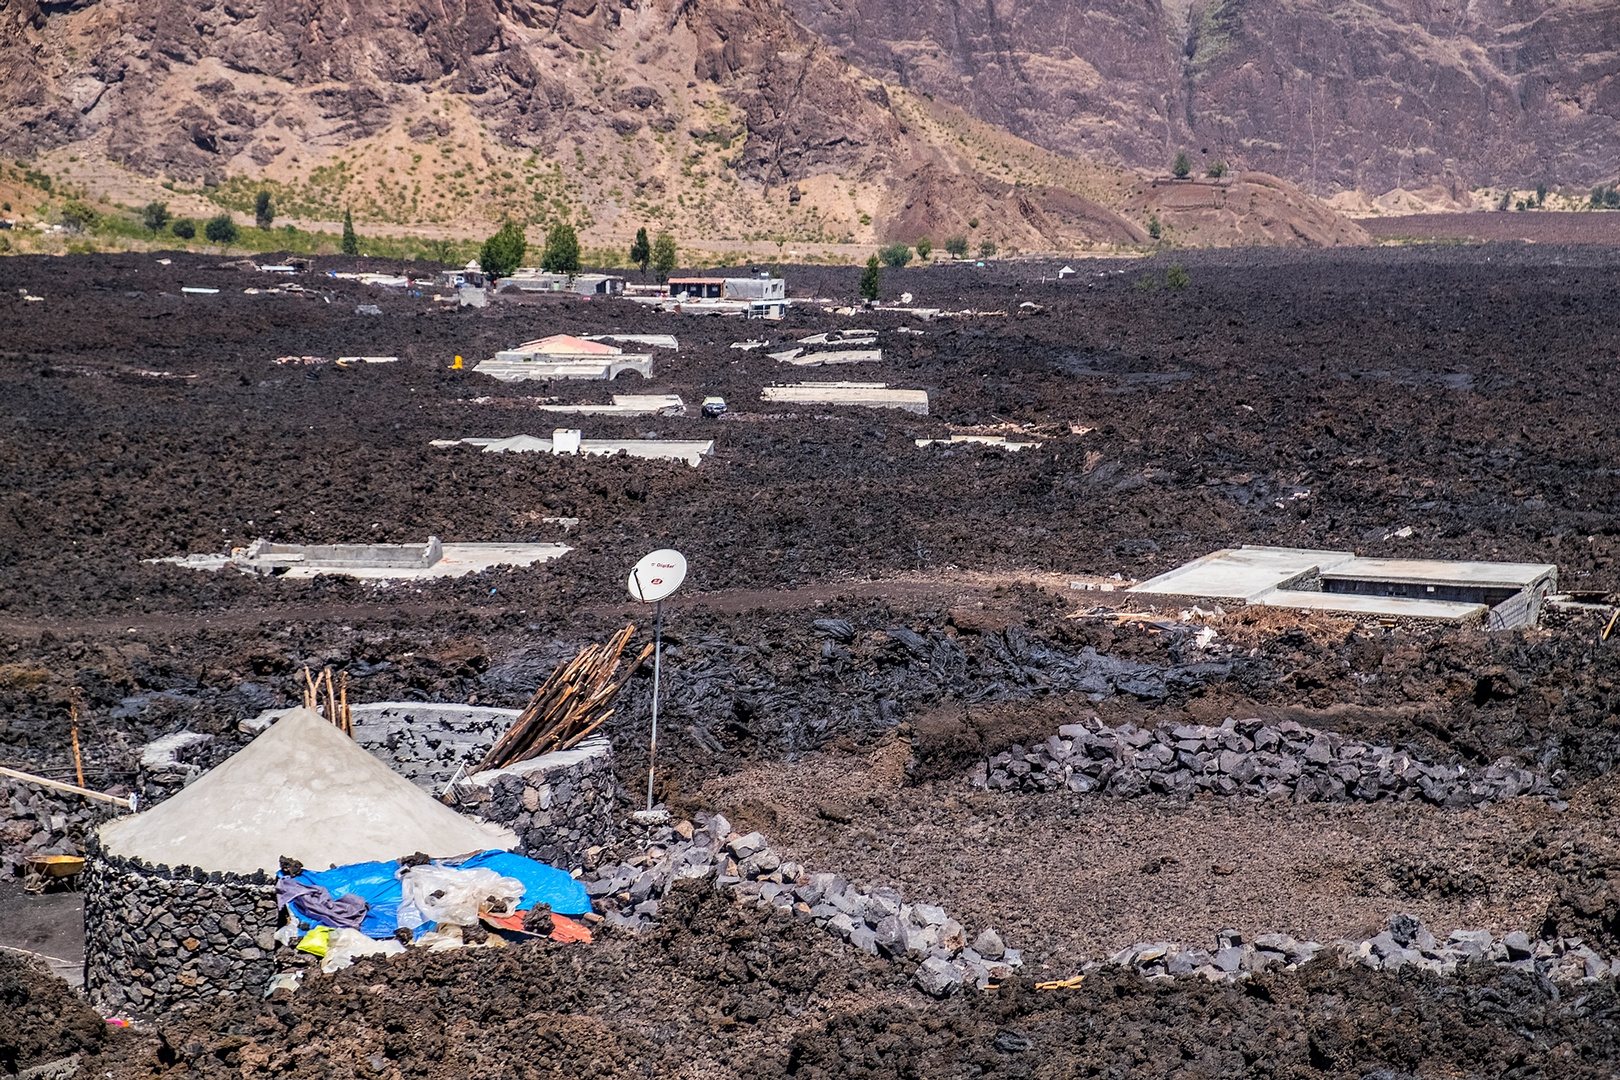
<point>865,623</point>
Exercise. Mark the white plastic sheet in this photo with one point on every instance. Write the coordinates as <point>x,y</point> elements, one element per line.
<point>444,895</point>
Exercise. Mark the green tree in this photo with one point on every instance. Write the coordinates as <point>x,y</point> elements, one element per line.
<point>664,258</point>
<point>503,252</point>
<point>264,210</point>
<point>956,246</point>
<point>973,223</point>
<point>641,250</point>
<point>1541,194</point>
<point>561,255</point>
<point>1182,168</point>
<point>925,248</point>
<point>1216,170</point>
<point>220,229</point>
<point>872,280</point>
<point>895,255</point>
<point>77,217</point>
<point>1176,277</point>
<point>184,228</point>
<point>1155,230</point>
<point>351,242</point>
<point>154,216</point>
<point>987,248</point>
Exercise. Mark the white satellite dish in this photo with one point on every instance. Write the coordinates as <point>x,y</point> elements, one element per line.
<point>657,575</point>
<point>653,578</point>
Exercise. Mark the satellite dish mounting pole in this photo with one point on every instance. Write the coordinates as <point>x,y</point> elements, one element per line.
<point>658,657</point>
<point>653,578</point>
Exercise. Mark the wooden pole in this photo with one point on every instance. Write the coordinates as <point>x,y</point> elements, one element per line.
<point>78,761</point>
<point>57,785</point>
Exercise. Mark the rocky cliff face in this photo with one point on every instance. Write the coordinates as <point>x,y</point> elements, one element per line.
<point>723,119</point>
<point>1370,96</point>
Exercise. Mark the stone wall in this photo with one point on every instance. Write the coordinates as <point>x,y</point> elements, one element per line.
<point>1248,757</point>
<point>158,937</point>
<point>558,804</point>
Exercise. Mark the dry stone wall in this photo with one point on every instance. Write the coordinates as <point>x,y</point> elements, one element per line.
<point>1404,943</point>
<point>159,937</point>
<point>628,888</point>
<point>1247,757</point>
<point>560,805</point>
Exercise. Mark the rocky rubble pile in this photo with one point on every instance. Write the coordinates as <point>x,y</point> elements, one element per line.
<point>877,920</point>
<point>38,821</point>
<point>1247,757</point>
<point>1405,942</point>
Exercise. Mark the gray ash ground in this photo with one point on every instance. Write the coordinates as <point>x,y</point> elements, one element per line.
<point>1464,392</point>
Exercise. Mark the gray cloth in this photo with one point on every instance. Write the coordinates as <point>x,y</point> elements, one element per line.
<point>318,905</point>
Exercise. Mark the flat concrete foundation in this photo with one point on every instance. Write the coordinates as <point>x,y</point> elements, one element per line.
<point>998,441</point>
<point>628,405</point>
<point>652,449</point>
<point>870,395</point>
<point>293,561</point>
<point>800,358</point>
<point>650,341</point>
<point>1492,594</point>
<point>516,367</point>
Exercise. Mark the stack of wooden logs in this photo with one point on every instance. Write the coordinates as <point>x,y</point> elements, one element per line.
<point>330,698</point>
<point>572,703</point>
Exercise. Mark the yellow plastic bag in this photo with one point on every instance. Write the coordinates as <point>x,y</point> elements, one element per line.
<point>315,941</point>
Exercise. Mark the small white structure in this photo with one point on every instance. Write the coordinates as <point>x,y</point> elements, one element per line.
<point>871,395</point>
<point>597,285</point>
<point>761,297</point>
<point>570,441</point>
<point>562,356</point>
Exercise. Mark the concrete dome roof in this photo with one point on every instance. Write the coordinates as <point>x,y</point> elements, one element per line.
<point>305,790</point>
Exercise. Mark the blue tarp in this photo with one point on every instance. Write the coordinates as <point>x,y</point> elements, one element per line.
<point>542,884</point>
<point>374,882</point>
<point>378,885</point>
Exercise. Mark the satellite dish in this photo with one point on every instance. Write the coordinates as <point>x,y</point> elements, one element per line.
<point>657,575</point>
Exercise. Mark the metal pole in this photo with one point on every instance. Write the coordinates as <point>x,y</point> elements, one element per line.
<point>658,656</point>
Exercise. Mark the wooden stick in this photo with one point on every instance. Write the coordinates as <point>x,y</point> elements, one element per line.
<point>78,762</point>
<point>348,720</point>
<point>56,785</point>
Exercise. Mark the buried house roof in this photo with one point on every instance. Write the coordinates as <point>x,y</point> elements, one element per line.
<point>568,345</point>
<point>305,790</point>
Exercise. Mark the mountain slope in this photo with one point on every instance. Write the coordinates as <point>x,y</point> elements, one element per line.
<point>719,119</point>
<point>1371,95</point>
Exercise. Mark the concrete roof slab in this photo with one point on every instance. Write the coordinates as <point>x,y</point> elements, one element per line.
<point>1386,607</point>
<point>1443,572</point>
<point>1241,574</point>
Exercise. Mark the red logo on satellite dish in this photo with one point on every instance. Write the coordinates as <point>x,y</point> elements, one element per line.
<point>657,581</point>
